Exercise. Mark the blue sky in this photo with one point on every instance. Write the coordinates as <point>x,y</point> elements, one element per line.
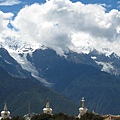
<point>110,4</point>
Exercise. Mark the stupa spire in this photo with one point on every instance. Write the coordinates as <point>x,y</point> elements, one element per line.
<point>83,102</point>
<point>29,108</point>
<point>47,103</point>
<point>5,107</point>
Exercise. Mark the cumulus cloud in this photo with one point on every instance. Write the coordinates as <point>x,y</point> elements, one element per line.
<point>4,21</point>
<point>61,24</point>
<point>9,2</point>
<point>118,7</point>
<point>7,35</point>
<point>118,2</point>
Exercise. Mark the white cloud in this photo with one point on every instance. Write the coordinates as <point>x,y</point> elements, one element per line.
<point>4,17</point>
<point>118,7</point>
<point>5,31</point>
<point>118,2</point>
<point>9,2</point>
<point>4,21</point>
<point>60,24</point>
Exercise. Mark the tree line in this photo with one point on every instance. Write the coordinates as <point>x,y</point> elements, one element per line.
<point>60,116</point>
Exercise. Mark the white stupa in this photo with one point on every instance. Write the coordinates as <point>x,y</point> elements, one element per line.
<point>82,109</point>
<point>29,115</point>
<point>47,110</point>
<point>5,113</point>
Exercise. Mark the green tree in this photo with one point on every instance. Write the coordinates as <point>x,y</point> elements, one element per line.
<point>91,116</point>
<point>41,117</point>
<point>6,119</point>
<point>17,118</point>
<point>58,116</point>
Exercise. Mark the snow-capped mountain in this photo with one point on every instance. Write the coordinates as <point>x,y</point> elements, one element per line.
<point>102,58</point>
<point>108,63</point>
<point>73,74</point>
<point>11,65</point>
<point>105,60</point>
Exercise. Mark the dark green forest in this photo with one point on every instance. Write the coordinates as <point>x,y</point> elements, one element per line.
<point>61,116</point>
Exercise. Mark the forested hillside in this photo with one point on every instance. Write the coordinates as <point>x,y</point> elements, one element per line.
<point>18,92</point>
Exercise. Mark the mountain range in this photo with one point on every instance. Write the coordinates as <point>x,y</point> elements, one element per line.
<point>18,92</point>
<point>62,50</point>
<point>94,75</point>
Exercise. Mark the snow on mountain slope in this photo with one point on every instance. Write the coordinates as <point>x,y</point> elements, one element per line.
<point>109,62</point>
<point>26,65</point>
<point>107,67</point>
<point>105,59</point>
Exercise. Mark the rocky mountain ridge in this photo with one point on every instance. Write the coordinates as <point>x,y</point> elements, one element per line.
<point>74,75</point>
<point>105,60</point>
